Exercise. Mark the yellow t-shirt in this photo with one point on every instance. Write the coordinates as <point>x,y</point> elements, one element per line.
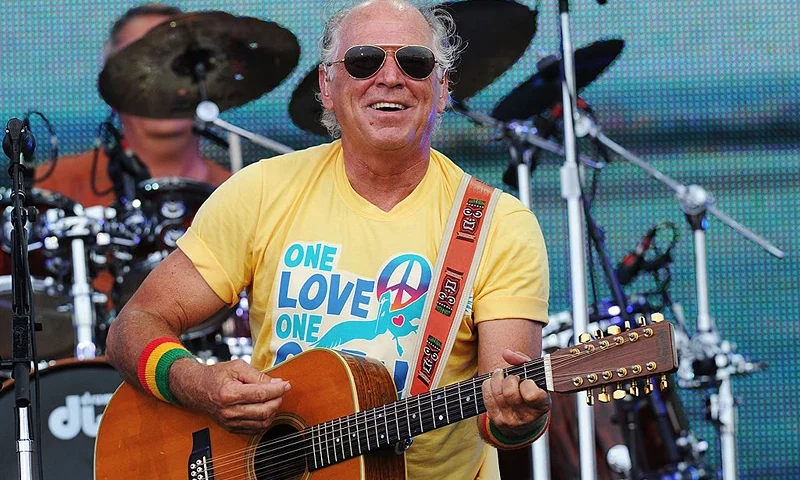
<point>323,267</point>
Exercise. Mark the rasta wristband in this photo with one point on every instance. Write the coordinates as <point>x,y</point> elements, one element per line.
<point>493,437</point>
<point>154,364</point>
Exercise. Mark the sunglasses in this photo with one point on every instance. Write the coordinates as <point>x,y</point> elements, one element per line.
<point>364,61</point>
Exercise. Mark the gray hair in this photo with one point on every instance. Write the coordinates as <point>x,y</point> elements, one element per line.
<point>447,46</point>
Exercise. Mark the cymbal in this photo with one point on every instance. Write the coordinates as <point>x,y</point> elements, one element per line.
<point>304,108</point>
<point>543,89</point>
<point>241,58</point>
<point>496,34</point>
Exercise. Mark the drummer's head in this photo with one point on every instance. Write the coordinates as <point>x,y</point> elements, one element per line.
<point>128,28</point>
<point>349,95</point>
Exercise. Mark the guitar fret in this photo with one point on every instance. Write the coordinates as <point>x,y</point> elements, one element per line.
<point>446,405</point>
<point>358,434</point>
<point>328,441</point>
<point>313,446</point>
<point>460,401</point>
<point>386,424</point>
<point>349,436</point>
<point>433,411</point>
<point>340,437</point>
<point>397,422</point>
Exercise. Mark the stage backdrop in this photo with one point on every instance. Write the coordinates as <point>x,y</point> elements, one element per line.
<point>707,92</point>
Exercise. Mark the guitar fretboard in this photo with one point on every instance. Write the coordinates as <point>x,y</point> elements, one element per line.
<point>387,425</point>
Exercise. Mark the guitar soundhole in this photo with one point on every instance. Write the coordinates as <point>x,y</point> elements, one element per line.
<point>280,454</point>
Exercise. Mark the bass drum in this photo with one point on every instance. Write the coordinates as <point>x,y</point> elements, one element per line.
<point>166,209</point>
<point>74,394</point>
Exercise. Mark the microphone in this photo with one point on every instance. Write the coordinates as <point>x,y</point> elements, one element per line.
<point>632,263</point>
<point>18,139</point>
<point>125,169</point>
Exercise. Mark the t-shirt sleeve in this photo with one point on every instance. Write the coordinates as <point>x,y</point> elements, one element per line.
<point>513,278</point>
<point>220,239</point>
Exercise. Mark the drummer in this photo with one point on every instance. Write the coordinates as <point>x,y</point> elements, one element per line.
<point>167,147</point>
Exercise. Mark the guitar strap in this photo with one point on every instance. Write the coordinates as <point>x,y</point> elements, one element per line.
<point>455,271</point>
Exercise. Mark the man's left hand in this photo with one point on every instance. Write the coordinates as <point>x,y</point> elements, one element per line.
<point>513,406</point>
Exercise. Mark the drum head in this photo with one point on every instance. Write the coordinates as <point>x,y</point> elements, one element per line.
<point>73,397</point>
<point>53,309</point>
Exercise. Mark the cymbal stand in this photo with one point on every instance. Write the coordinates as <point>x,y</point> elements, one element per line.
<point>207,112</point>
<point>705,347</point>
<point>521,153</point>
<point>571,193</point>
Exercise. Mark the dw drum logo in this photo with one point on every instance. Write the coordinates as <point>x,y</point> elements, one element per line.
<point>79,413</point>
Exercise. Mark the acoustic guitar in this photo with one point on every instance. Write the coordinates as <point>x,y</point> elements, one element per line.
<point>342,420</point>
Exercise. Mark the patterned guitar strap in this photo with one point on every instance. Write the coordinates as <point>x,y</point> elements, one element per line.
<point>455,271</point>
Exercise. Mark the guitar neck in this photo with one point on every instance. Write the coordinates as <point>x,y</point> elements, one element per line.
<point>390,424</point>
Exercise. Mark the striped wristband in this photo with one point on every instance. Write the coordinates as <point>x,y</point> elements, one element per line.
<point>154,364</point>
<point>492,435</point>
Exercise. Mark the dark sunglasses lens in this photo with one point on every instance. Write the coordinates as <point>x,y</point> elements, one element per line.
<point>363,61</point>
<point>417,62</point>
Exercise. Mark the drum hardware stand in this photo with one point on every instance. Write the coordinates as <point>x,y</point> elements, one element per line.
<point>706,348</point>
<point>16,143</point>
<point>522,139</point>
<point>207,112</point>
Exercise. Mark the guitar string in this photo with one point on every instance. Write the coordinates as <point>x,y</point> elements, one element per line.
<point>340,423</point>
<point>559,361</point>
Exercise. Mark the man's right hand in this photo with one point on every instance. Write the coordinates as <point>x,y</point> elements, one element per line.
<point>236,395</point>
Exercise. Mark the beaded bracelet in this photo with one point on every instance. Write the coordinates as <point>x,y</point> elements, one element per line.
<point>154,364</point>
<point>494,437</point>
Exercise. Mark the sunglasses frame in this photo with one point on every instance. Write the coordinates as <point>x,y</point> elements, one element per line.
<point>383,62</point>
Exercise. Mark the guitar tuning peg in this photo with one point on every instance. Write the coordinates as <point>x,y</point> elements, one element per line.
<point>603,395</point>
<point>648,386</point>
<point>664,384</point>
<point>657,317</point>
<point>641,320</point>
<point>598,333</point>
<point>584,338</point>
<point>627,325</point>
<point>614,330</point>
<point>589,397</point>
<point>634,390</point>
<point>619,393</point>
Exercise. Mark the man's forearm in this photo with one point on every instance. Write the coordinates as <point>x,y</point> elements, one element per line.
<point>128,336</point>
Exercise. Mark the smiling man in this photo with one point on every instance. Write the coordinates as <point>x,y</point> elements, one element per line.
<point>337,246</point>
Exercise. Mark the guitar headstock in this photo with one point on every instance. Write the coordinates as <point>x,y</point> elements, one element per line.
<point>616,359</point>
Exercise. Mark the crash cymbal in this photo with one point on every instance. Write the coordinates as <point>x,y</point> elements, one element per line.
<point>156,76</point>
<point>495,33</point>
<point>543,89</point>
<point>304,108</point>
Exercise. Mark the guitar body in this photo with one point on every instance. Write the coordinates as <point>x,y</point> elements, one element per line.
<point>141,437</point>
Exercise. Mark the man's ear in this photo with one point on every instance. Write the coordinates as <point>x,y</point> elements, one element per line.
<point>324,87</point>
<point>444,85</point>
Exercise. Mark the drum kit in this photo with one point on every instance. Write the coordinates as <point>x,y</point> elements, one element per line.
<point>86,261</point>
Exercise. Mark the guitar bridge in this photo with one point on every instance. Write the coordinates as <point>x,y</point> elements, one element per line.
<point>200,465</point>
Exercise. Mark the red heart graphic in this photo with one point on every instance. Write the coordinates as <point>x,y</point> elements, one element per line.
<point>398,320</point>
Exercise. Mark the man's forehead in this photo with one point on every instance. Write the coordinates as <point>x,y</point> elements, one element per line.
<point>385,23</point>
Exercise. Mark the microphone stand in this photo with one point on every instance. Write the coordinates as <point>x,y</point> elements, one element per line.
<point>571,192</point>
<point>706,348</point>
<point>23,323</point>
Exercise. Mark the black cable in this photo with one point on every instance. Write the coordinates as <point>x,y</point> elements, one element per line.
<point>53,143</point>
<point>102,138</point>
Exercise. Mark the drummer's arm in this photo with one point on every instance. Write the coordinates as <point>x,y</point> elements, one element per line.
<point>173,299</point>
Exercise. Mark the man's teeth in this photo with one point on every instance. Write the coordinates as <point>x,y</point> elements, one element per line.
<point>387,106</point>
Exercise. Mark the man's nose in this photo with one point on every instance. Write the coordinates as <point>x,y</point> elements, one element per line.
<point>390,73</point>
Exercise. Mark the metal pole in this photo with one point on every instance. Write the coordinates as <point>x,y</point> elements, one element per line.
<point>571,192</point>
